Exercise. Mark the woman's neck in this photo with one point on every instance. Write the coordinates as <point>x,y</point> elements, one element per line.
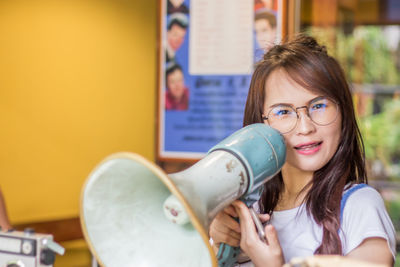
<point>294,181</point>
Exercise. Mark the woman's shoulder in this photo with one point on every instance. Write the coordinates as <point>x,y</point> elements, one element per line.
<point>360,197</point>
<point>364,206</point>
<point>361,194</point>
<point>363,216</point>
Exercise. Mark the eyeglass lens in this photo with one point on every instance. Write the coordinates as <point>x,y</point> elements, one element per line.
<point>321,111</point>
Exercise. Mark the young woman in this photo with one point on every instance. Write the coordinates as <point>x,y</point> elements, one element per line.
<point>302,92</point>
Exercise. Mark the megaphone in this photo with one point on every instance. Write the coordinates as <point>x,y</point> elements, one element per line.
<point>134,214</point>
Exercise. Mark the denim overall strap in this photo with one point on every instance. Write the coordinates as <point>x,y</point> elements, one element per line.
<point>346,196</point>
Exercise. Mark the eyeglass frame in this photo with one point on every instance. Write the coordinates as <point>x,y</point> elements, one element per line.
<point>307,107</point>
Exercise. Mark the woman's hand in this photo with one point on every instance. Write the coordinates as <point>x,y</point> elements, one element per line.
<point>225,229</point>
<point>261,253</point>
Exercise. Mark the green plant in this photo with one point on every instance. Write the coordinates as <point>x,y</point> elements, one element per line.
<point>381,134</point>
<point>364,55</point>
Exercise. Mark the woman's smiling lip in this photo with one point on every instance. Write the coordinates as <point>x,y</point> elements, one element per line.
<point>308,148</point>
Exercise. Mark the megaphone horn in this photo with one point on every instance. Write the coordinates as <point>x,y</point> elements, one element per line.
<point>134,214</point>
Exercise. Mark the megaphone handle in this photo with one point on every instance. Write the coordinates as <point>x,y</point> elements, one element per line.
<point>227,255</point>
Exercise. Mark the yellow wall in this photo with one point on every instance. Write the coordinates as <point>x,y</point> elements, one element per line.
<point>77,83</point>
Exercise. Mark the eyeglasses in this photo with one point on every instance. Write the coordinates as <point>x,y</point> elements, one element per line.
<point>321,110</point>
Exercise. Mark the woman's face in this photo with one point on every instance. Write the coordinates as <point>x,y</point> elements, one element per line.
<point>308,146</point>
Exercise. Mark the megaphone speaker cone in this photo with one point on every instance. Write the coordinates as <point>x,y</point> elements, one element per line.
<point>123,219</point>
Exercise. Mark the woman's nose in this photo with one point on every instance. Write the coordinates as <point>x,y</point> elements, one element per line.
<point>304,123</point>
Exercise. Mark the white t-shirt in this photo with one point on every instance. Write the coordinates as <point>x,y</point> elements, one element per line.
<point>364,216</point>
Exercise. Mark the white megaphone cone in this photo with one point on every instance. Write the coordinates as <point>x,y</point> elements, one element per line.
<point>134,214</point>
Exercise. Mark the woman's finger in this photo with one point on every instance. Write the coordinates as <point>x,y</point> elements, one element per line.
<point>226,231</point>
<point>233,242</point>
<point>272,236</point>
<point>264,217</point>
<point>220,233</point>
<point>229,222</point>
<point>246,222</point>
<point>231,211</point>
<point>231,238</point>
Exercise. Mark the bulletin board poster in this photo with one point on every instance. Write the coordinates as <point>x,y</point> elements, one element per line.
<point>207,54</point>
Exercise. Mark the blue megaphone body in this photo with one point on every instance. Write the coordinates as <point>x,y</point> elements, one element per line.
<point>262,151</point>
<point>163,219</point>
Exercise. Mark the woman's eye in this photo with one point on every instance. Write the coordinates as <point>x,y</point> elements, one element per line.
<point>319,106</point>
<point>282,112</point>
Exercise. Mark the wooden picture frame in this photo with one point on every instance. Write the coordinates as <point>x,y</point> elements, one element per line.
<point>208,48</point>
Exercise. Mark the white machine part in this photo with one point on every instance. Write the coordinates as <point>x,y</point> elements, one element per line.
<point>28,249</point>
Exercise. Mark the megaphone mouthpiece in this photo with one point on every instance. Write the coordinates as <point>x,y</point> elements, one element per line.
<point>174,211</point>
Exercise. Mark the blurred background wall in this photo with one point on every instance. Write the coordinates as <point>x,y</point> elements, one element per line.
<point>77,83</point>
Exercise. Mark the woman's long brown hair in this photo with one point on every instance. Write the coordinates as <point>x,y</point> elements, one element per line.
<point>310,66</point>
